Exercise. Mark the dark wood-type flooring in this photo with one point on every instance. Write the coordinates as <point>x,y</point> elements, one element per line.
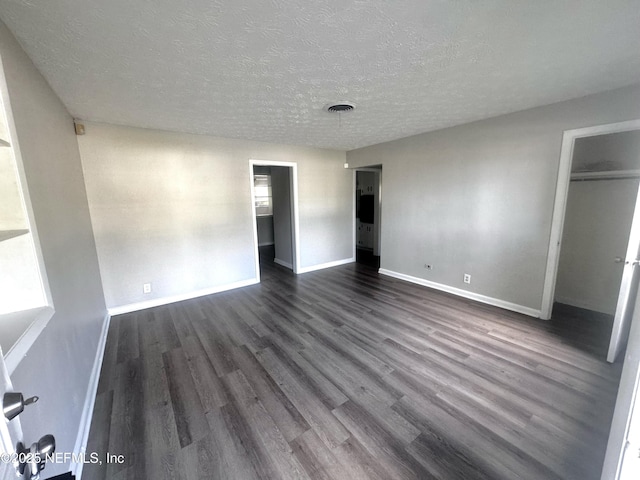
<point>345,374</point>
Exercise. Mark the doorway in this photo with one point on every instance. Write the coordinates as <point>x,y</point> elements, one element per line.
<point>593,245</point>
<point>368,201</point>
<point>274,198</point>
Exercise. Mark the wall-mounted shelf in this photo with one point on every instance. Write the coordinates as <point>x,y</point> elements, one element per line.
<point>4,143</point>
<point>7,234</point>
<point>609,175</point>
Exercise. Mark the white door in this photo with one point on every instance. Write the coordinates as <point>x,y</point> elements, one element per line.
<point>622,460</point>
<point>10,431</point>
<point>628,289</point>
<point>630,468</point>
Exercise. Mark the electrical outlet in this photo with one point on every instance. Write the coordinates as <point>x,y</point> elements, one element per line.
<point>428,266</point>
<point>467,278</point>
<point>146,288</point>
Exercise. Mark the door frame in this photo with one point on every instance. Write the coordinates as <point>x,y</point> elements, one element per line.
<point>295,220</point>
<point>560,205</point>
<point>10,432</point>
<point>378,214</point>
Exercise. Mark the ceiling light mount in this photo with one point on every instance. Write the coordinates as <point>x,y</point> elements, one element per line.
<point>339,107</point>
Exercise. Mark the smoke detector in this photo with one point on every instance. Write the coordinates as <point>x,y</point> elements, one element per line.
<point>339,107</point>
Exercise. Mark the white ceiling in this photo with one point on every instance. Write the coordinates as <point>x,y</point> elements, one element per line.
<point>263,69</point>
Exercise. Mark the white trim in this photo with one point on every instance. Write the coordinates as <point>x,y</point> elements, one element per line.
<point>514,307</point>
<point>19,349</point>
<point>10,431</point>
<point>559,207</point>
<point>17,352</point>
<point>90,400</point>
<point>354,227</point>
<point>379,215</point>
<point>134,307</point>
<point>296,218</point>
<point>254,221</point>
<point>294,209</point>
<point>283,263</point>
<point>24,187</point>
<point>322,266</point>
<point>378,210</point>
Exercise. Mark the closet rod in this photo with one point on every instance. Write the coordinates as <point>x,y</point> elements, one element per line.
<point>610,175</point>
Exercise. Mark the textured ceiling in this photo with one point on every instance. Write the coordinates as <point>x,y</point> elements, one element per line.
<point>263,70</point>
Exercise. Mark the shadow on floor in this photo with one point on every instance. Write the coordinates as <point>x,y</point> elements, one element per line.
<point>585,329</point>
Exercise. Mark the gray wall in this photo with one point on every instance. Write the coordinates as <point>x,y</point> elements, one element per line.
<point>58,366</point>
<point>596,230</point>
<point>478,198</point>
<point>175,209</point>
<point>282,220</point>
<point>265,229</point>
<point>614,151</point>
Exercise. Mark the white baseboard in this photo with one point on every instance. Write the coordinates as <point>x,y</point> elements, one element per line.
<point>321,266</point>
<point>283,263</point>
<point>514,307</point>
<point>156,302</point>
<point>90,400</point>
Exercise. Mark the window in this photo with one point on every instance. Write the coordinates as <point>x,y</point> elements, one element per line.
<point>262,189</point>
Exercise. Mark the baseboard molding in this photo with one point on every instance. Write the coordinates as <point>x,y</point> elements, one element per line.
<point>514,307</point>
<point>283,263</point>
<point>90,400</point>
<point>322,266</point>
<point>156,302</point>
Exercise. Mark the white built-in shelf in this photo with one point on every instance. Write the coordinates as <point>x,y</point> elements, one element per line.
<point>609,175</point>
<point>4,143</point>
<point>19,332</point>
<point>7,234</point>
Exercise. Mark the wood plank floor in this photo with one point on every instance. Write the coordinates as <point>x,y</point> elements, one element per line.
<point>345,374</point>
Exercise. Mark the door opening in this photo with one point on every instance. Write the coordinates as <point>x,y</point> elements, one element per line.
<point>596,230</point>
<point>368,189</point>
<point>274,201</point>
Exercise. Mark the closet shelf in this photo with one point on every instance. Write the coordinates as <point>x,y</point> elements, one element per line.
<point>7,234</point>
<point>609,175</point>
